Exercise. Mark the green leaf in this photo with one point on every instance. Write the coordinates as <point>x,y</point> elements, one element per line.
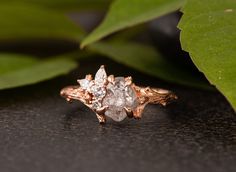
<point>208,33</point>
<point>125,13</point>
<point>146,59</point>
<point>19,70</point>
<point>68,5</point>
<point>24,21</point>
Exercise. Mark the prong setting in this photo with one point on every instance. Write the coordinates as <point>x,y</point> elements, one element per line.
<point>101,118</point>
<point>102,110</point>
<point>128,80</point>
<point>129,112</point>
<point>89,77</point>
<point>138,111</point>
<point>111,79</point>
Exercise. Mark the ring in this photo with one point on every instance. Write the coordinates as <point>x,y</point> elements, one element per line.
<point>115,97</point>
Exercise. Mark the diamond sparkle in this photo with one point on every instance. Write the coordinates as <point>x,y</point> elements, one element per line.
<point>117,98</point>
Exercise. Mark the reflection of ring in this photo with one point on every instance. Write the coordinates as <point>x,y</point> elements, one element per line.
<point>115,97</point>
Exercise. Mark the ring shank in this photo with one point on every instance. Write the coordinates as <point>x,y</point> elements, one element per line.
<point>155,95</point>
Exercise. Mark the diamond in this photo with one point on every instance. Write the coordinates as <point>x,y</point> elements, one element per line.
<point>117,98</point>
<point>84,83</point>
<point>97,91</point>
<point>101,77</point>
<point>131,98</point>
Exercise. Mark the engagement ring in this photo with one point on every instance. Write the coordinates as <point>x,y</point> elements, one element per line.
<point>115,97</point>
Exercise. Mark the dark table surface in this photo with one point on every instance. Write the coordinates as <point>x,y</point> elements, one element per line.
<point>39,131</point>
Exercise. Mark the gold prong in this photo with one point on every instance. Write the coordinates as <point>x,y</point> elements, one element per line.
<point>68,100</point>
<point>147,89</point>
<point>138,111</point>
<point>89,77</point>
<point>101,118</point>
<point>111,79</point>
<point>87,98</point>
<point>101,110</point>
<point>129,112</point>
<point>128,80</point>
<point>143,100</point>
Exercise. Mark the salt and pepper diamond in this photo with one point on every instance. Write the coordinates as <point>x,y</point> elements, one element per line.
<point>119,96</point>
<point>115,95</point>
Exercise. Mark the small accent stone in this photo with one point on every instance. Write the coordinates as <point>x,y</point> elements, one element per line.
<point>97,91</point>
<point>84,83</point>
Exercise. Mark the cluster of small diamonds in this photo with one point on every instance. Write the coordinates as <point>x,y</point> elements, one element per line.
<point>96,87</point>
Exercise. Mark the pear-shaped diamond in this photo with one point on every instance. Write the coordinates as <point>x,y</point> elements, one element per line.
<point>101,76</point>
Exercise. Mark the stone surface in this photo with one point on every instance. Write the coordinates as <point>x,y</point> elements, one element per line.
<point>84,83</point>
<point>98,91</point>
<point>118,96</point>
<point>39,131</point>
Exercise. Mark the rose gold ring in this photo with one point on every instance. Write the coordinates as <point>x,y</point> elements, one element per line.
<point>115,97</point>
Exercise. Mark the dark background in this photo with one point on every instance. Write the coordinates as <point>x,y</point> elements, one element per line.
<point>40,131</point>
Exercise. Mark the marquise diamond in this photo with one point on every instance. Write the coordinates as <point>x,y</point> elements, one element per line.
<point>101,77</point>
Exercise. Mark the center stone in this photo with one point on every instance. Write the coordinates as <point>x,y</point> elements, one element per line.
<point>117,97</point>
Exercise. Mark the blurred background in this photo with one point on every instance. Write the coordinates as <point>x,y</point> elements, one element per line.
<point>34,31</point>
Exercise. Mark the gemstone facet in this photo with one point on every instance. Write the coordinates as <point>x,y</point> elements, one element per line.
<point>117,98</point>
<point>101,77</point>
<point>84,83</point>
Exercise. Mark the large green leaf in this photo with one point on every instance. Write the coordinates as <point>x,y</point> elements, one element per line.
<point>24,21</point>
<point>68,5</point>
<point>126,13</point>
<point>19,70</point>
<point>146,59</point>
<point>208,33</point>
